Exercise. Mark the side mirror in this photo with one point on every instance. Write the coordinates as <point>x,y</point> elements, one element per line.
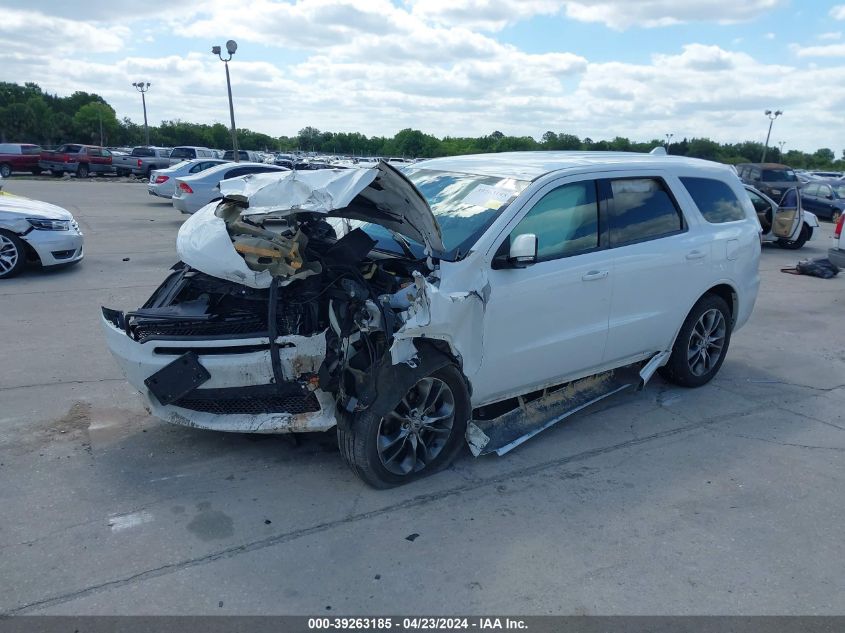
<point>523,251</point>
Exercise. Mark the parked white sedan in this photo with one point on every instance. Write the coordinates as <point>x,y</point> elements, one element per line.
<point>163,181</point>
<point>35,231</point>
<point>193,192</point>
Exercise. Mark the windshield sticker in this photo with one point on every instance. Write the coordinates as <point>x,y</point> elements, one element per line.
<point>490,197</point>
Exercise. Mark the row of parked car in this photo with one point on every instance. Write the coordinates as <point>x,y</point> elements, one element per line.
<point>83,160</point>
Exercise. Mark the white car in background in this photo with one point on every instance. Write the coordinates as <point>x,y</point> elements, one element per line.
<point>162,182</point>
<point>195,191</point>
<point>786,224</point>
<point>36,231</point>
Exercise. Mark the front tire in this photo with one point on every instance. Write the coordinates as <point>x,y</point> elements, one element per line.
<point>5,170</point>
<point>702,344</point>
<point>12,255</point>
<point>790,245</point>
<point>421,433</point>
<point>82,171</point>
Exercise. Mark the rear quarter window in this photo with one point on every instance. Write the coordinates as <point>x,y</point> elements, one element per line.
<point>715,200</point>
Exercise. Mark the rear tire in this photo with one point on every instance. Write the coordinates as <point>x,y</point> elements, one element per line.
<point>12,255</point>
<point>805,234</point>
<point>705,332</point>
<point>421,434</point>
<point>82,171</point>
<point>5,170</point>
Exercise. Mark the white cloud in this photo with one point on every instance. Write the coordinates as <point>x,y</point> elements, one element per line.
<point>838,12</point>
<point>769,36</point>
<point>376,67</point>
<point>828,50</point>
<point>493,15</point>
<point>25,30</point>
<point>834,35</point>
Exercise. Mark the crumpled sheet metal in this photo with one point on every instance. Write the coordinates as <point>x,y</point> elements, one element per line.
<point>204,243</point>
<point>319,191</point>
<point>401,207</point>
<point>451,317</point>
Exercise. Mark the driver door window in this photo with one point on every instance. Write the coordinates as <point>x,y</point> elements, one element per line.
<point>565,221</point>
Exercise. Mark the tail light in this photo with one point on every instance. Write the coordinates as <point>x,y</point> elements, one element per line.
<point>139,162</point>
<point>161,179</point>
<point>837,232</point>
<point>185,187</point>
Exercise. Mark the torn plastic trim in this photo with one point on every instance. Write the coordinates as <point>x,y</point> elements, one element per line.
<point>505,432</point>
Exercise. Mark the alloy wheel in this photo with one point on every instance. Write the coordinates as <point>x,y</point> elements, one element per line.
<point>707,341</point>
<point>8,255</point>
<point>412,435</point>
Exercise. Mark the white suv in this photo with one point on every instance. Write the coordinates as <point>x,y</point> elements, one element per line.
<point>480,297</point>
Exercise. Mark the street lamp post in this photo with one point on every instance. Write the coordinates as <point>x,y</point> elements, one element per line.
<point>772,116</point>
<point>231,47</point>
<point>668,141</point>
<point>780,146</point>
<point>142,87</point>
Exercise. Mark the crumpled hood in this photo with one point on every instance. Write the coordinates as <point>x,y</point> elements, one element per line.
<point>381,195</point>
<point>26,208</point>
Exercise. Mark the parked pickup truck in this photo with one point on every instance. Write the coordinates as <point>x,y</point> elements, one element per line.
<point>81,160</point>
<point>142,161</point>
<point>19,157</point>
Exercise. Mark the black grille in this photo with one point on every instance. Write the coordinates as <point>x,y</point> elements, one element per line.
<point>287,403</point>
<point>191,329</point>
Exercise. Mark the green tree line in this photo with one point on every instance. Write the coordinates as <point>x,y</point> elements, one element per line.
<point>28,114</point>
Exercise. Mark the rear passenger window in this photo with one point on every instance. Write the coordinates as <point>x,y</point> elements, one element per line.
<point>565,221</point>
<point>642,209</point>
<point>716,201</point>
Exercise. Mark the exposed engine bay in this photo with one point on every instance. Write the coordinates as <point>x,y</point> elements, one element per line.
<point>341,289</point>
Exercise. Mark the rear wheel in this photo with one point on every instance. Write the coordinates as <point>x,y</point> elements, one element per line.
<point>5,170</point>
<point>793,245</point>
<point>421,434</point>
<point>701,345</point>
<point>12,255</point>
<point>82,171</point>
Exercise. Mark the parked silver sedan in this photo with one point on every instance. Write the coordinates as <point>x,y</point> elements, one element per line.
<point>194,191</point>
<point>163,181</point>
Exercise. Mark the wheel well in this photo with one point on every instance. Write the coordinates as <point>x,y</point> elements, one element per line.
<point>728,294</point>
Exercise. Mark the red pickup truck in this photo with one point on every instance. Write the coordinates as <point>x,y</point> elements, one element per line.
<point>19,157</point>
<point>81,160</point>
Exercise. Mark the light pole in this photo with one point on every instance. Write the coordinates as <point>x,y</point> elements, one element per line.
<point>231,47</point>
<point>772,116</point>
<point>668,141</point>
<point>142,87</point>
<point>780,145</point>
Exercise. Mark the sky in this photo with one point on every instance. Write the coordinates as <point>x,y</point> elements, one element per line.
<point>594,68</point>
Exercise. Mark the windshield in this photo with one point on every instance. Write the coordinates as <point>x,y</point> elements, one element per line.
<point>463,204</point>
<point>143,152</point>
<point>778,175</point>
<point>181,152</point>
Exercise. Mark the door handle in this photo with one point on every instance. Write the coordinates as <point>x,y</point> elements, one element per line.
<point>594,274</point>
<point>696,255</point>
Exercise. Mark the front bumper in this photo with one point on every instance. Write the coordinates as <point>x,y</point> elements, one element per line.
<point>56,248</point>
<point>229,371</point>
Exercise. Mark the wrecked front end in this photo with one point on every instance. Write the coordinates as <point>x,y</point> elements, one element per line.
<point>274,318</point>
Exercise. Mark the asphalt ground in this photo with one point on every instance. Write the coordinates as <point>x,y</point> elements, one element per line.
<point>722,500</point>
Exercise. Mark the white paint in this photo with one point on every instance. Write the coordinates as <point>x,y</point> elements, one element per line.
<point>120,522</point>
